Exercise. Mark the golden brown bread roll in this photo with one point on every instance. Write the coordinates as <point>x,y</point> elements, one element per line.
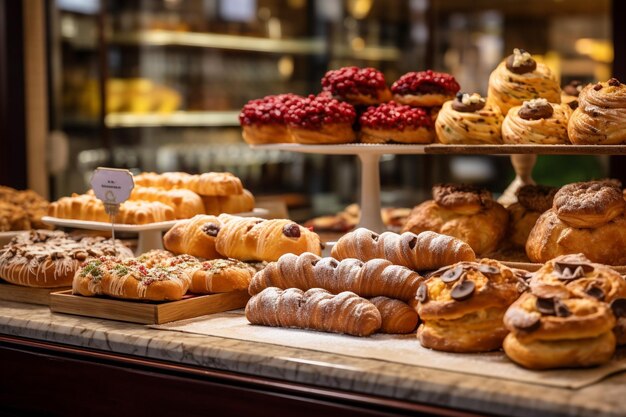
<point>589,204</point>
<point>185,203</point>
<point>537,121</point>
<point>49,259</point>
<point>469,120</point>
<point>461,306</point>
<point>533,200</point>
<point>519,78</point>
<point>314,309</point>
<point>469,215</point>
<point>426,251</point>
<point>210,183</point>
<point>231,204</point>
<point>255,239</point>
<point>397,316</point>
<point>221,275</point>
<point>376,277</point>
<point>195,236</point>
<point>600,116</point>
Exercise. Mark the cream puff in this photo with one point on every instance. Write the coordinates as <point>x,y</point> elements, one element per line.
<point>538,122</point>
<point>321,120</point>
<point>520,78</point>
<point>357,86</point>
<point>425,88</point>
<point>392,122</point>
<point>468,119</point>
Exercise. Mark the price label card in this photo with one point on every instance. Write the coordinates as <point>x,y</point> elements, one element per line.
<point>111,185</point>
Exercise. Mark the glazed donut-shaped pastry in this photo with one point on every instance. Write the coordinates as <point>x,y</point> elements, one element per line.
<point>538,122</point>
<point>532,201</point>
<point>559,331</point>
<point>461,306</point>
<point>317,120</point>
<point>263,120</point>
<point>600,118</point>
<point>357,86</point>
<point>468,119</point>
<point>425,88</point>
<point>570,93</point>
<point>589,204</point>
<point>392,122</point>
<point>471,217</point>
<point>519,78</point>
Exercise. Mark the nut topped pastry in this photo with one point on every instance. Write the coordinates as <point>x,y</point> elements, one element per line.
<point>469,119</point>
<point>392,122</point>
<point>519,78</point>
<point>357,86</point>
<point>586,217</point>
<point>425,88</point>
<point>600,118</point>
<point>461,306</point>
<point>537,121</point>
<point>532,201</point>
<point>465,212</point>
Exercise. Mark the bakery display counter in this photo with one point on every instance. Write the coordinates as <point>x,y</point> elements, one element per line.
<point>49,356</point>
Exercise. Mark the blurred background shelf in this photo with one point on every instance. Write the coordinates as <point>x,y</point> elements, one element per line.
<point>179,118</point>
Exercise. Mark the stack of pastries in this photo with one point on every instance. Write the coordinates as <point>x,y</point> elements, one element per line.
<point>21,210</point>
<point>163,197</point>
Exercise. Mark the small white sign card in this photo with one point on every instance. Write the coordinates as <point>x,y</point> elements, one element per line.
<point>113,187</point>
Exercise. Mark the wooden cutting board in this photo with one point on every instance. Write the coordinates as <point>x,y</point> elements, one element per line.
<point>29,295</point>
<point>147,312</point>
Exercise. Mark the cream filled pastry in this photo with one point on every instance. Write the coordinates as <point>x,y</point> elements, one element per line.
<point>469,119</point>
<point>600,118</point>
<point>519,78</point>
<point>537,121</point>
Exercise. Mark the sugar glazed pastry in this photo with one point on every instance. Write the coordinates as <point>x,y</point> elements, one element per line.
<point>537,122</point>
<point>468,119</point>
<point>465,212</point>
<point>49,259</point>
<point>461,306</point>
<point>520,78</point>
<point>195,236</point>
<point>396,123</point>
<point>584,278</point>
<point>426,251</point>
<point>234,203</point>
<point>321,120</point>
<point>425,89</point>
<point>532,202</point>
<point>600,118</point>
<point>315,309</point>
<point>263,120</point>
<point>570,93</point>
<point>357,86</point>
<point>586,217</point>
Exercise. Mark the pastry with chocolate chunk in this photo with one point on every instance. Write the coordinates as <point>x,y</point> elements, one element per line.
<point>48,259</point>
<point>586,217</point>
<point>600,118</point>
<point>461,306</point>
<point>568,317</point>
<point>538,122</point>
<point>469,119</point>
<point>519,78</point>
<point>570,93</point>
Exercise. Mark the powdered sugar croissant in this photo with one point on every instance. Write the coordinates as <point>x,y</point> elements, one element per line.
<point>427,250</point>
<point>377,277</point>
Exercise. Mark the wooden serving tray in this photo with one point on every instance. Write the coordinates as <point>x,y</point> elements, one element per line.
<point>147,312</point>
<point>29,295</point>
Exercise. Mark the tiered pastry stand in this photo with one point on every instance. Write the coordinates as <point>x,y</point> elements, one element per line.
<point>523,158</point>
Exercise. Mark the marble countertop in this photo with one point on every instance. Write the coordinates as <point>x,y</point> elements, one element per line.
<point>427,386</point>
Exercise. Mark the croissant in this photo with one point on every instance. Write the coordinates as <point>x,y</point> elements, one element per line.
<point>427,250</point>
<point>397,316</point>
<point>195,236</point>
<point>185,203</point>
<point>314,309</point>
<point>374,278</point>
<point>255,239</point>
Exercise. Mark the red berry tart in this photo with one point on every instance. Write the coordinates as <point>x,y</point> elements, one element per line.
<point>358,86</point>
<point>425,88</point>
<point>393,122</point>
<point>263,120</point>
<point>320,119</point>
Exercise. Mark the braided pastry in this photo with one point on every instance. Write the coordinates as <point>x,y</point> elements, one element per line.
<point>314,309</point>
<point>371,279</point>
<point>425,251</point>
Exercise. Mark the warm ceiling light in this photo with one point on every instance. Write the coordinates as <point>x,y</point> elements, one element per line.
<point>359,9</point>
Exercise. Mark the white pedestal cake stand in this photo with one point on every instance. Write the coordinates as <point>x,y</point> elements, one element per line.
<point>523,158</point>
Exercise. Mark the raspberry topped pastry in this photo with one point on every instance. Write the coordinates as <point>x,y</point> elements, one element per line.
<point>519,78</point>
<point>425,88</point>
<point>263,120</point>
<point>358,86</point>
<point>392,122</point>
<point>468,119</point>
<point>320,119</point>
